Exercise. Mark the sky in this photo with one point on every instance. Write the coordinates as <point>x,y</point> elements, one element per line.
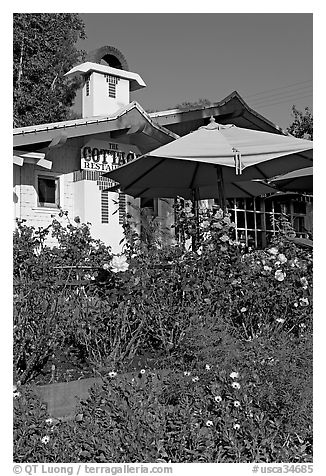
<point>266,57</point>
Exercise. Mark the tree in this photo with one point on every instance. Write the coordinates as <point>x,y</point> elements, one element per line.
<point>202,102</point>
<point>43,51</point>
<point>302,126</point>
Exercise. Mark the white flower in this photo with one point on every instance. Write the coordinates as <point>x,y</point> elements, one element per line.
<point>45,440</point>
<point>302,325</point>
<point>49,421</point>
<point>119,263</point>
<point>282,258</point>
<point>199,251</point>
<point>304,282</point>
<point>304,302</point>
<point>204,224</point>
<point>237,404</point>
<point>186,374</point>
<point>142,371</point>
<point>218,398</point>
<point>106,266</point>
<point>279,275</point>
<point>112,374</point>
<point>280,320</point>
<point>207,367</point>
<point>273,251</point>
<point>217,225</point>
<point>224,238</point>
<point>295,263</point>
<point>295,304</point>
<point>195,379</point>
<point>236,426</point>
<point>267,268</point>
<point>209,423</point>
<point>234,375</point>
<point>277,264</point>
<point>243,309</point>
<point>219,213</point>
<point>251,415</point>
<point>16,394</point>
<point>236,385</point>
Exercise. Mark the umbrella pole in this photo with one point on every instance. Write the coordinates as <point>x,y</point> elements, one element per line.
<point>220,188</point>
<point>195,204</point>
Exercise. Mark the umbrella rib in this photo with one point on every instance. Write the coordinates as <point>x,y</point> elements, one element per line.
<point>144,174</point>
<point>257,168</point>
<point>243,190</point>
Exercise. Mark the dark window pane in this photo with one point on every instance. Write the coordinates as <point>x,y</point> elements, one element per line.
<point>268,205</point>
<point>241,203</point>
<point>147,203</point>
<point>298,224</point>
<point>250,220</point>
<point>277,207</point>
<point>251,239</point>
<point>250,203</point>
<point>46,190</point>
<point>241,219</point>
<point>259,239</point>
<point>259,221</point>
<point>299,207</point>
<point>258,203</point>
<point>232,215</point>
<point>269,221</point>
<point>229,202</point>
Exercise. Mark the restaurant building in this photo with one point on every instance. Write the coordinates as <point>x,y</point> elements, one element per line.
<point>60,165</point>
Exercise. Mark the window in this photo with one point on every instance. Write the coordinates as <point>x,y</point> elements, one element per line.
<point>104,206</point>
<point>150,206</point>
<point>88,77</point>
<point>112,82</point>
<point>247,214</point>
<point>112,92</point>
<point>122,208</point>
<point>48,191</point>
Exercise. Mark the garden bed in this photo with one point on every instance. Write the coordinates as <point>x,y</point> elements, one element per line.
<point>223,338</point>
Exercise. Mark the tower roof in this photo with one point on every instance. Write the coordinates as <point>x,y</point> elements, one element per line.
<point>135,80</point>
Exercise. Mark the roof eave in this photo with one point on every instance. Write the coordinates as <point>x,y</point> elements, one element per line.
<point>94,125</point>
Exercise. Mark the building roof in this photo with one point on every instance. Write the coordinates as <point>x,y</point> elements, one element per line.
<point>135,80</point>
<point>230,110</point>
<point>130,124</point>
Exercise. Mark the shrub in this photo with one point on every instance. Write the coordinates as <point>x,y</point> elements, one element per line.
<point>246,409</point>
<point>214,312</point>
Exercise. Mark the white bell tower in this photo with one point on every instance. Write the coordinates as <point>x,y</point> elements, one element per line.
<point>105,89</point>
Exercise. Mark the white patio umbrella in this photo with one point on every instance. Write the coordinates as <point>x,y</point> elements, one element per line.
<point>207,161</point>
<point>296,181</point>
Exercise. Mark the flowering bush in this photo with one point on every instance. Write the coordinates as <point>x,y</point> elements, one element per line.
<point>153,300</point>
<point>42,295</point>
<point>230,332</point>
<point>251,409</point>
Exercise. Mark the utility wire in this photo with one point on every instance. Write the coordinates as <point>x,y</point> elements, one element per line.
<point>304,90</point>
<point>287,96</point>
<point>277,89</point>
<point>288,100</point>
